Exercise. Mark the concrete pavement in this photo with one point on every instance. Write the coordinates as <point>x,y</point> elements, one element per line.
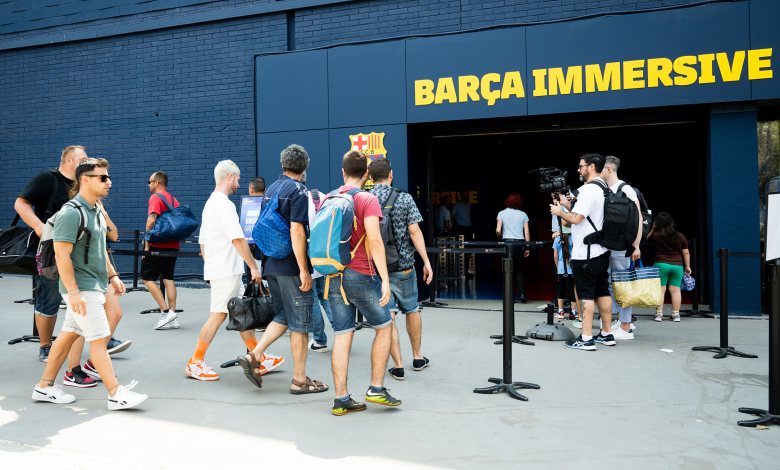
<point>632,405</point>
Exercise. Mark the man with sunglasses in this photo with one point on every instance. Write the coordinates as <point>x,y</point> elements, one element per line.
<point>84,275</point>
<point>589,262</point>
<point>153,268</point>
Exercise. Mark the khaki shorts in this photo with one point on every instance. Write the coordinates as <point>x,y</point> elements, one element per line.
<point>224,289</point>
<point>93,325</point>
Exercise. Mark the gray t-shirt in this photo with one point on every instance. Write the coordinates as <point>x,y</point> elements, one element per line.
<point>92,276</point>
<point>512,223</point>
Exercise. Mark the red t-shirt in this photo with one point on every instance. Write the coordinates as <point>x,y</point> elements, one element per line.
<point>156,206</point>
<point>366,205</point>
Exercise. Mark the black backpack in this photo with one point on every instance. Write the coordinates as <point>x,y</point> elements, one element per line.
<point>621,221</point>
<point>388,234</point>
<point>647,214</point>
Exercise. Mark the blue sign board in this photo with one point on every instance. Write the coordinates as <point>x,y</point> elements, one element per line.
<point>250,211</point>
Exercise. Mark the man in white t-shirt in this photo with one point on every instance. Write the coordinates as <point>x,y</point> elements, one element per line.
<point>619,260</point>
<point>223,247</point>
<point>589,262</point>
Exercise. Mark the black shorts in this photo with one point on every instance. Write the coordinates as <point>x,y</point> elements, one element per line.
<point>155,267</point>
<point>591,277</point>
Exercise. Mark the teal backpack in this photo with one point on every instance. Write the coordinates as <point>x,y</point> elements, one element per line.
<point>330,234</point>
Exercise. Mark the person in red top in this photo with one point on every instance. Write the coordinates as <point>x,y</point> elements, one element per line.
<point>367,288</point>
<point>155,267</point>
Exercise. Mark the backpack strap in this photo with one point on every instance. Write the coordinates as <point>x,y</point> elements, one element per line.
<point>82,227</point>
<point>606,190</point>
<point>170,207</point>
<point>55,188</point>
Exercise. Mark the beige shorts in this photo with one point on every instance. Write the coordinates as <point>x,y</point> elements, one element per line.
<point>224,289</point>
<point>93,325</point>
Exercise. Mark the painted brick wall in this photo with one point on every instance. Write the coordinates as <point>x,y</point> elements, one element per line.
<point>180,99</point>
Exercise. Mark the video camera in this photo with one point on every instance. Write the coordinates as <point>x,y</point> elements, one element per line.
<point>552,180</point>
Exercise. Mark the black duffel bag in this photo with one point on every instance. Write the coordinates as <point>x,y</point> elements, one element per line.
<point>18,246</point>
<point>252,311</point>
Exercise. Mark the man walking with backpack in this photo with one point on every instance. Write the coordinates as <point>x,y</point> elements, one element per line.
<point>401,215</point>
<point>621,260</point>
<point>79,239</point>
<point>589,261</point>
<point>281,234</point>
<point>356,284</point>
<point>154,268</point>
<point>43,196</point>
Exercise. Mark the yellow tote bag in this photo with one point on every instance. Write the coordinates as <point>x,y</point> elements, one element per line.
<point>637,287</point>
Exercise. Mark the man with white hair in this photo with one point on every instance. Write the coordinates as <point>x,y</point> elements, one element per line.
<point>223,246</point>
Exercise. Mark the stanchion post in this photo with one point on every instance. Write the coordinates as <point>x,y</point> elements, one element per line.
<point>509,314</point>
<point>772,415</point>
<point>724,297</point>
<point>136,240</point>
<point>724,349</point>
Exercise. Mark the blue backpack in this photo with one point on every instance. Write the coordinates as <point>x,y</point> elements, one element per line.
<point>177,223</point>
<point>330,234</point>
<point>271,232</point>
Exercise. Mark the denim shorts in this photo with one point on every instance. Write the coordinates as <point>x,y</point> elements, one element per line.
<point>403,285</point>
<point>47,296</point>
<point>293,307</point>
<point>363,293</point>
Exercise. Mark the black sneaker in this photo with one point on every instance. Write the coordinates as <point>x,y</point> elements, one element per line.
<point>578,343</point>
<point>381,398</point>
<point>78,378</point>
<point>608,340</point>
<point>396,372</point>
<point>420,364</point>
<point>43,353</point>
<point>116,346</point>
<point>341,408</point>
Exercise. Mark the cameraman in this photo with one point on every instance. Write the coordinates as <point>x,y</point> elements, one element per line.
<point>590,263</point>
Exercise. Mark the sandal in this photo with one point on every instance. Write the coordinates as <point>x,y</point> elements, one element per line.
<point>250,365</point>
<point>308,386</point>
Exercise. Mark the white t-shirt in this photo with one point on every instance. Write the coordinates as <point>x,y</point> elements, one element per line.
<point>219,227</point>
<point>512,223</point>
<point>590,203</point>
<point>627,190</point>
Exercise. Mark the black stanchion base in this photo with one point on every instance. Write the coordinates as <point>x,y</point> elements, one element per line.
<point>433,304</point>
<point>723,352</point>
<point>25,301</point>
<point>515,339</point>
<point>764,417</point>
<point>696,313</point>
<point>231,363</point>
<point>28,338</point>
<point>510,388</point>
<point>157,310</point>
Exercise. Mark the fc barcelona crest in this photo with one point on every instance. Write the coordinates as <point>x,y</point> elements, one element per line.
<point>372,144</point>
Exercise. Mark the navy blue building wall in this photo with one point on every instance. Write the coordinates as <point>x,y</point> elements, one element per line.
<point>168,84</point>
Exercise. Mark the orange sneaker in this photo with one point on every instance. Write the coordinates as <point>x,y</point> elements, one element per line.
<point>199,370</point>
<point>269,362</point>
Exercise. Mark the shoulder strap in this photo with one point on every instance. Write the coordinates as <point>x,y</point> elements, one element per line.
<point>390,201</point>
<point>603,187</point>
<point>315,195</point>
<point>55,188</point>
<point>620,188</point>
<point>82,226</point>
<point>170,207</point>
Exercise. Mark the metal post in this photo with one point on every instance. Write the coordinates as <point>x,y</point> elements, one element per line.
<point>724,297</point>
<point>509,314</point>
<point>772,415</point>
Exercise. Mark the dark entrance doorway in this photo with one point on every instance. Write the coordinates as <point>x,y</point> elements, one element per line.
<point>662,154</point>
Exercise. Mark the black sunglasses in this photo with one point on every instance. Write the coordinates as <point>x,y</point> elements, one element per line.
<point>103,178</point>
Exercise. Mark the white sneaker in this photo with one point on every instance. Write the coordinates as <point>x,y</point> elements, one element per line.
<point>577,324</point>
<point>52,394</point>
<point>124,398</point>
<point>165,319</point>
<point>317,347</point>
<point>616,325</point>
<point>621,334</point>
<point>174,325</point>
<point>269,362</point>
